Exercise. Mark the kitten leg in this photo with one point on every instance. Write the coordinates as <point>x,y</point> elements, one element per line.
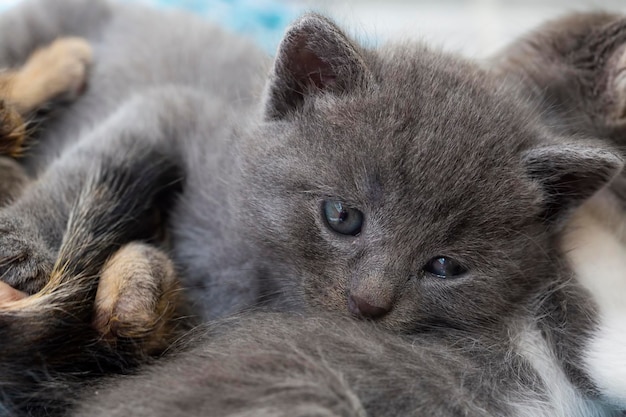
<point>58,71</point>
<point>137,301</point>
<point>13,180</point>
<point>137,298</point>
<point>33,227</point>
<point>48,337</point>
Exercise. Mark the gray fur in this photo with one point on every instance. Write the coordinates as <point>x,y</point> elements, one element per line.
<point>138,64</point>
<point>280,365</point>
<point>250,196</point>
<point>572,68</point>
<point>443,158</point>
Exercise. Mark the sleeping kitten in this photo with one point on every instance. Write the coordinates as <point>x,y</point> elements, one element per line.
<point>423,185</point>
<point>50,338</point>
<point>85,323</point>
<point>58,70</point>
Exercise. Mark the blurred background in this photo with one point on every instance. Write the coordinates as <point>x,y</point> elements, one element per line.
<point>475,28</point>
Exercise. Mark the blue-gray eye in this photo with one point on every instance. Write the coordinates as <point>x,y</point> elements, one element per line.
<point>342,219</point>
<point>444,267</point>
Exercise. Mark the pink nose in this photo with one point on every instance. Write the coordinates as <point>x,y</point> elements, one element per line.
<point>361,308</point>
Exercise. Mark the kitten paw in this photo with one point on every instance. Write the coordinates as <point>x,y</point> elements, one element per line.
<point>26,260</point>
<point>137,298</point>
<point>56,72</point>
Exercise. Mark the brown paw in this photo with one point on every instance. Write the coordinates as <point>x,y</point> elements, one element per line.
<point>137,298</point>
<point>58,71</point>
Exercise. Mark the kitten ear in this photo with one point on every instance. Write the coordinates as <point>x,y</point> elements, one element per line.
<point>606,57</point>
<point>571,173</point>
<point>617,85</point>
<point>315,56</point>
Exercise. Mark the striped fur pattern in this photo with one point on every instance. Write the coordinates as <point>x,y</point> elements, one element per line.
<point>51,341</point>
<point>49,333</point>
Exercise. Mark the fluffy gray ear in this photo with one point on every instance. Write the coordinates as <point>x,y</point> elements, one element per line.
<point>571,173</point>
<point>617,85</point>
<point>314,57</point>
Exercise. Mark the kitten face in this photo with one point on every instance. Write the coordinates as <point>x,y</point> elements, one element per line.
<point>434,154</point>
<point>427,188</point>
<point>439,160</point>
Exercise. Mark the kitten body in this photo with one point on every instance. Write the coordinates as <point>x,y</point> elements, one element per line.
<point>269,364</point>
<point>194,69</point>
<point>574,68</point>
<point>442,159</point>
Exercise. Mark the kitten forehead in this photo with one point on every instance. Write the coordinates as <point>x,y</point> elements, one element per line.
<point>422,95</point>
<point>429,112</point>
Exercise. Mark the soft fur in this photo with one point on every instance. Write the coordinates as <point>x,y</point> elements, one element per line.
<point>285,365</point>
<point>442,157</point>
<point>575,67</point>
<point>51,343</point>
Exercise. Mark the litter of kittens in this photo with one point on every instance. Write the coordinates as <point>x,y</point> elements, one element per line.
<point>194,226</point>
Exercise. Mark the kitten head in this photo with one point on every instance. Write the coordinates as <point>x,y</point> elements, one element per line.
<point>407,186</point>
<point>576,66</point>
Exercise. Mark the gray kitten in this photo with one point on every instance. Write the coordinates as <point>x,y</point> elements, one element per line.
<point>422,183</point>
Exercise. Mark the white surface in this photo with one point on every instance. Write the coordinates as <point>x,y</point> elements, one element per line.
<point>474,27</point>
<point>596,248</point>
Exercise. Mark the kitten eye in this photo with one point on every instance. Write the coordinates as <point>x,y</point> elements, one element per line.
<point>342,219</point>
<point>444,267</point>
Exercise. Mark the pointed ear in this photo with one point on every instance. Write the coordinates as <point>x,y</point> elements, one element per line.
<point>571,173</point>
<point>605,67</point>
<point>617,85</point>
<point>313,57</point>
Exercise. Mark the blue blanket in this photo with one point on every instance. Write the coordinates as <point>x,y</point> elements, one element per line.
<point>262,20</point>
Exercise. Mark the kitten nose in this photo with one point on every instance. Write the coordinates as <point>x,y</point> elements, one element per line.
<point>361,308</point>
